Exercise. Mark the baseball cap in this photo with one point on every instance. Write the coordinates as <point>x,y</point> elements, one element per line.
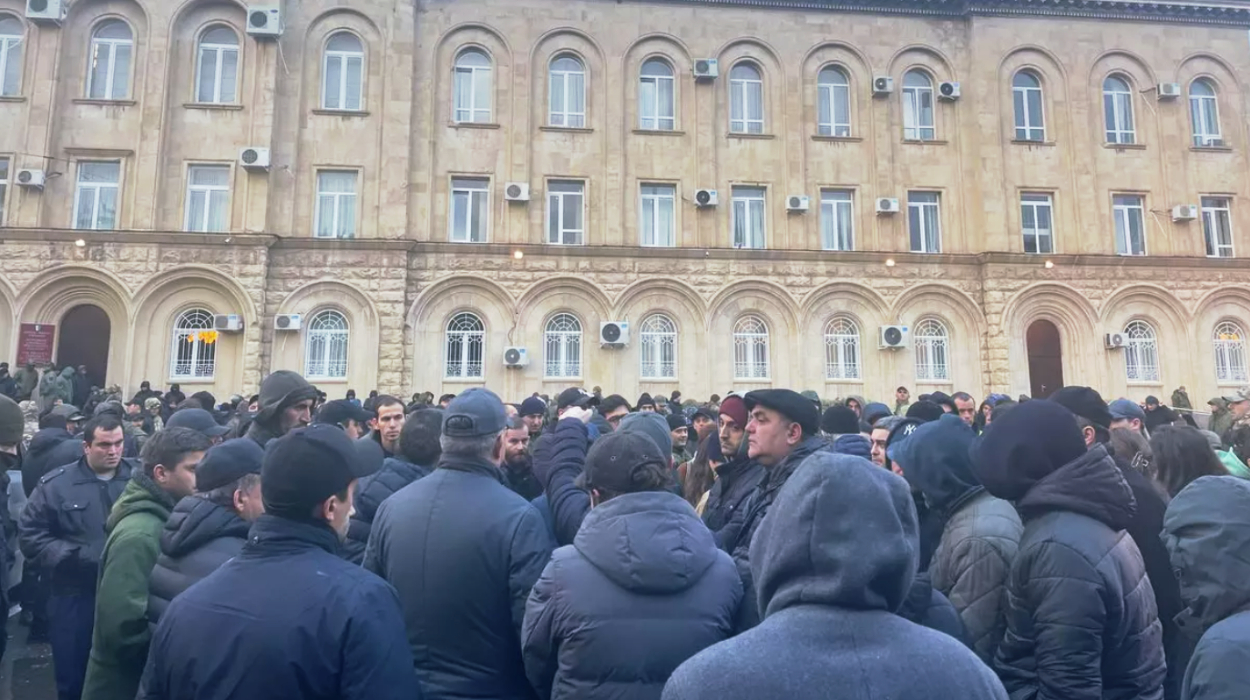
<point>1124,409</point>
<point>475,412</point>
<point>573,396</point>
<point>340,411</point>
<point>306,466</point>
<point>69,412</point>
<point>653,425</point>
<point>196,419</point>
<point>1242,394</point>
<point>533,406</point>
<point>615,457</point>
<point>227,462</point>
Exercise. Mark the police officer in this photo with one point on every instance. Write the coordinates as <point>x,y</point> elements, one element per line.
<point>62,532</point>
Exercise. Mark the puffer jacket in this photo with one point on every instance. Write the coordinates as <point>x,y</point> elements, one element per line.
<point>395,474</point>
<point>198,538</point>
<point>641,589</point>
<point>1081,616</point>
<point>736,480</point>
<point>1206,536</point>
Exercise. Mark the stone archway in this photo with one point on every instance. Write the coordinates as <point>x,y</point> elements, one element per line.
<point>83,337</point>
<point>1045,358</point>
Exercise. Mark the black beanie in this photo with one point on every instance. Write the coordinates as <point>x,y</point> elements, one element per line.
<point>1084,402</point>
<point>839,420</point>
<point>925,410</point>
<point>1019,449</point>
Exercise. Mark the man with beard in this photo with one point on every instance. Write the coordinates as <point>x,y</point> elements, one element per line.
<point>518,463</point>
<point>739,476</point>
<point>679,431</point>
<point>286,401</point>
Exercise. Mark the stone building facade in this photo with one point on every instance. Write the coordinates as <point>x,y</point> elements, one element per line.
<point>394,128</point>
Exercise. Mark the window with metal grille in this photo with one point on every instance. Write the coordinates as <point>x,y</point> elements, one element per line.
<point>567,91</point>
<point>194,351</point>
<point>658,348</point>
<point>1141,352</point>
<point>465,346</point>
<point>842,349</point>
<point>751,348</point>
<point>563,345</point>
<point>656,96</point>
<point>1230,353</point>
<point>217,66</point>
<point>833,116</point>
<point>472,98</point>
<point>325,354</point>
<point>930,343</point>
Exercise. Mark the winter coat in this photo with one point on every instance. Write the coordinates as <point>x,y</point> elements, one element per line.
<point>49,448</point>
<point>8,386</point>
<point>80,387</point>
<point>1206,535</point>
<point>119,642</point>
<point>926,606</point>
<point>27,380</point>
<point>61,529</point>
<point>287,619</point>
<point>832,562</point>
<point>64,385</point>
<point>558,460</point>
<point>735,481</point>
<point>371,491</point>
<point>488,547</point>
<point>1159,417</point>
<point>855,445</point>
<point>1081,616</point>
<point>198,538</point>
<point>641,589</point>
<point>520,478</point>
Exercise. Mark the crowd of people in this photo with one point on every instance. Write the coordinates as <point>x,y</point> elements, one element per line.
<point>760,545</point>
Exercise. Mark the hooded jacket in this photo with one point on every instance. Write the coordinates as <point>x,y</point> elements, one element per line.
<point>279,391</point>
<point>119,642</point>
<point>981,532</point>
<point>833,562</point>
<point>49,448</point>
<point>395,474</point>
<point>198,538</point>
<point>641,589</point>
<point>1207,536</point>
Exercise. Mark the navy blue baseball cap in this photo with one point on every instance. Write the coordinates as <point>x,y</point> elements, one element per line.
<point>475,413</point>
<point>306,466</point>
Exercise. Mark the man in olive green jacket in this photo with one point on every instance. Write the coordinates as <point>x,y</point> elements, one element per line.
<point>119,644</point>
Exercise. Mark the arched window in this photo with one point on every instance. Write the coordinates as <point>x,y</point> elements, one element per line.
<point>1205,113</point>
<point>10,55</point>
<point>751,348</point>
<point>834,102</point>
<point>471,103</point>
<point>217,68</point>
<point>656,96</point>
<point>194,351</point>
<point>1230,353</point>
<point>563,343</point>
<point>931,341</point>
<point>918,107</point>
<point>842,349</point>
<point>465,346</point>
<point>746,99</point>
<point>108,77</point>
<point>343,73</point>
<point>1026,94</point>
<point>1117,107</point>
<point>658,348</point>
<point>1141,352</point>
<point>326,346</point>
<point>567,77</point>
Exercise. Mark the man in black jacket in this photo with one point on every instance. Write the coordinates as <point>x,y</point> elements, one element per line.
<point>286,401</point>
<point>738,476</point>
<point>463,551</point>
<point>62,533</point>
<point>1080,611</point>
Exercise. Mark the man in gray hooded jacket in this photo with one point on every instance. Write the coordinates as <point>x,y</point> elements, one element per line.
<point>286,401</point>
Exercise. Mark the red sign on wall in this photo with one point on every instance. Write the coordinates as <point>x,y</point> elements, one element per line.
<point>34,343</point>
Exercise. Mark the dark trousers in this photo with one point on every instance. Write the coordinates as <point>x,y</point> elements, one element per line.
<point>70,620</point>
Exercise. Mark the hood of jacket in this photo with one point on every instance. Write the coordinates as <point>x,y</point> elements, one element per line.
<point>46,440</point>
<point>1091,485</point>
<point>777,474</point>
<point>935,460</point>
<point>195,522</point>
<point>1207,536</point>
<point>841,533</point>
<point>68,373</point>
<point>853,445</point>
<point>650,542</point>
<point>279,390</point>
<point>141,495</point>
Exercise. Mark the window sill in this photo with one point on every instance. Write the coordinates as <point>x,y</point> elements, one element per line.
<point>327,380</point>
<point>659,132</point>
<point>12,98</point>
<point>341,112</point>
<point>1211,149</point>
<point>104,103</point>
<point>1125,146</point>
<point>568,129</point>
<point>1231,383</point>
<point>753,380</point>
<point>843,381</point>
<point>749,137</point>
<point>194,381</point>
<point>473,125</point>
<point>837,139</point>
<point>934,382</point>
<point>1026,142</point>
<point>925,142</point>
<point>565,380</point>
<point>1145,383</point>
<point>463,380</point>
<point>212,106</point>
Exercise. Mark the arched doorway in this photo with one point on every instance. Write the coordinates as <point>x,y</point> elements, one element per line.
<point>83,339</point>
<point>1045,359</point>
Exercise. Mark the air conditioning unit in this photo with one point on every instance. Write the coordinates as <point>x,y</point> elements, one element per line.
<point>948,91</point>
<point>614,333</point>
<point>517,192</point>
<point>1184,212</point>
<point>228,323</point>
<point>254,158</point>
<point>1115,340</point>
<point>287,322</point>
<point>34,179</point>
<point>516,357</point>
<point>882,85</point>
<point>798,202</point>
<point>894,337</point>
<point>887,205</point>
<point>706,69</point>
<point>264,21</point>
<point>1169,91</point>
<point>706,198</point>
<point>46,11</point>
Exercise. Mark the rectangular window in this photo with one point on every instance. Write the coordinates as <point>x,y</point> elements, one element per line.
<point>4,186</point>
<point>565,213</point>
<point>10,56</point>
<point>208,198</point>
<point>470,198</point>
<point>918,114</point>
<point>836,221</point>
<point>1130,229</point>
<point>657,216</point>
<point>1035,219</point>
<point>1217,227</point>
<point>748,217</point>
<point>923,217</point>
<point>95,199</point>
<point>336,204</point>
<point>655,98</point>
